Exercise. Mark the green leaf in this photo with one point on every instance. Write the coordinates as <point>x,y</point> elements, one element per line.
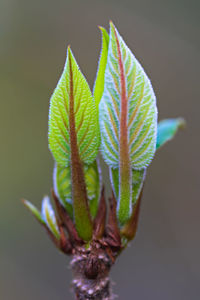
<point>99,83</point>
<point>167,130</point>
<point>114,178</point>
<point>128,95</point>
<point>74,136</point>
<point>34,211</point>
<point>93,185</point>
<point>138,177</point>
<point>138,181</point>
<point>62,187</point>
<point>72,102</point>
<point>49,217</point>
<point>128,118</point>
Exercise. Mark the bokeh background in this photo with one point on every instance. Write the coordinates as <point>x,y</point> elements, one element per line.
<point>163,262</point>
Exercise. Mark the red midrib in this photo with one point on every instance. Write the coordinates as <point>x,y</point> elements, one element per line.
<point>123,136</point>
<point>124,160</point>
<point>78,183</point>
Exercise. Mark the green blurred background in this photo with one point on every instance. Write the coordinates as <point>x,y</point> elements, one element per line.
<point>163,261</point>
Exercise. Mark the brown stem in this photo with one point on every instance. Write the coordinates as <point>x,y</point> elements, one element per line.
<point>91,269</point>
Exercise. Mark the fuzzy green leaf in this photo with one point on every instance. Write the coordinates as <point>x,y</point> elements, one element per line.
<point>93,185</point>
<point>138,177</point>
<point>128,93</point>
<point>34,211</point>
<point>73,88</point>
<point>74,136</point>
<point>49,217</point>
<point>114,178</point>
<point>167,130</point>
<point>99,83</point>
<point>128,118</point>
<point>62,187</point>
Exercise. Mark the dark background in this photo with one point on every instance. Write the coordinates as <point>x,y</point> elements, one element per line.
<point>163,261</point>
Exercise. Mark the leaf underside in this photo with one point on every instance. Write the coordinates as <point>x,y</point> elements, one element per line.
<point>138,177</point>
<point>141,111</point>
<point>128,118</point>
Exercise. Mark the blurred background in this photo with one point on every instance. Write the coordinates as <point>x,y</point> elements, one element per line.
<point>163,262</point>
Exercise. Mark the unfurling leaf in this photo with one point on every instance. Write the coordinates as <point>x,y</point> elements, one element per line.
<point>72,99</point>
<point>63,186</point>
<point>46,217</point>
<point>114,178</point>
<point>138,177</point>
<point>49,217</point>
<point>167,130</point>
<point>128,118</point>
<point>34,211</point>
<point>93,185</point>
<point>128,231</point>
<point>99,82</point>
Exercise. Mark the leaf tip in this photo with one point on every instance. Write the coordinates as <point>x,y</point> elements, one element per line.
<point>167,129</point>
<point>23,201</point>
<point>112,27</point>
<point>181,123</point>
<point>26,203</point>
<point>102,29</point>
<point>69,51</point>
<point>35,212</point>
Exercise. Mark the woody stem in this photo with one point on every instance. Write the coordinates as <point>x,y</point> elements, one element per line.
<point>91,269</point>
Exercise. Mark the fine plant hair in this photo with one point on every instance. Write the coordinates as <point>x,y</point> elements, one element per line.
<point>119,119</point>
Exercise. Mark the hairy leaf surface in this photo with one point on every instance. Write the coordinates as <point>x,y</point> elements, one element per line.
<point>114,177</point>
<point>93,185</point>
<point>138,181</point>
<point>63,186</point>
<point>138,177</point>
<point>137,102</point>
<point>167,130</point>
<point>73,88</point>
<point>128,118</point>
